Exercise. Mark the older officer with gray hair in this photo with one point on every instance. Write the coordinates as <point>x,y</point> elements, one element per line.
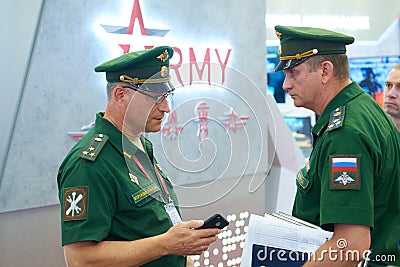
<point>351,184</point>
<point>118,208</point>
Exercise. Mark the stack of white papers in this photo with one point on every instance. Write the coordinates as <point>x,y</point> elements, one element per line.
<point>280,240</point>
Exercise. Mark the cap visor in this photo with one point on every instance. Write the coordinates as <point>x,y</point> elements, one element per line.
<point>157,87</point>
<point>287,64</point>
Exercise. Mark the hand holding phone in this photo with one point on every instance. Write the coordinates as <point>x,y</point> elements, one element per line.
<point>215,221</point>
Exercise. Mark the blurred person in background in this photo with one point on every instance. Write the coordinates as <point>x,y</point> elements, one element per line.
<point>392,95</point>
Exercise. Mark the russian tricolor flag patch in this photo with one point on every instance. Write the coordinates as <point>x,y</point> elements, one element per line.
<point>345,170</point>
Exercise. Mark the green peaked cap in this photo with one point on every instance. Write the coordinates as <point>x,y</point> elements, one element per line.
<point>299,43</point>
<point>150,67</point>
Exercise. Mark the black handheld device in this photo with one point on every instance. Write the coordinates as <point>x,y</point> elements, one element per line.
<point>215,221</point>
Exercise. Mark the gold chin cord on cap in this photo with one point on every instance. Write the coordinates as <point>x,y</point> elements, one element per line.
<point>126,78</point>
<point>302,55</point>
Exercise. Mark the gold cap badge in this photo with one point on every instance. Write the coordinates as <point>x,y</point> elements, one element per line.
<point>164,56</point>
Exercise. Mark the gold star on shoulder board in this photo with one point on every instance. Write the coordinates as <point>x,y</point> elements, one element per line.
<point>93,147</point>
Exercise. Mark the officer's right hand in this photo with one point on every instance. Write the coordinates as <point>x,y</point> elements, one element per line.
<point>183,239</point>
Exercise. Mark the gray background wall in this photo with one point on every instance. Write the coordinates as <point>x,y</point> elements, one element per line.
<point>17,27</point>
<point>61,91</point>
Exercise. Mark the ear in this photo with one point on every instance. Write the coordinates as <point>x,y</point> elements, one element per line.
<point>327,71</point>
<point>119,94</point>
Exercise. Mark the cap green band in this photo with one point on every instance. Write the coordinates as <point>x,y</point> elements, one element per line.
<point>124,78</point>
<point>324,48</point>
<point>146,66</point>
<point>142,74</point>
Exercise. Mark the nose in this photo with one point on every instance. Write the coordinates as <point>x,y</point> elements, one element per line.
<point>163,106</point>
<point>393,92</point>
<point>286,84</point>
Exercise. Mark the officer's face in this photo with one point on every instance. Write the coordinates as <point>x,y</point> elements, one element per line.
<point>303,86</point>
<point>156,115</point>
<point>392,94</point>
<point>144,114</point>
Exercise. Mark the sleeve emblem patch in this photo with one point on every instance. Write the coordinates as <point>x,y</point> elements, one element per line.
<point>345,173</point>
<point>303,182</point>
<point>75,203</point>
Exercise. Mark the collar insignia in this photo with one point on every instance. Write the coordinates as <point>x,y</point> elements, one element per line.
<point>134,178</point>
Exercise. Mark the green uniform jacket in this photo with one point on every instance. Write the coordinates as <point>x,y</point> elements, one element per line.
<point>104,195</point>
<point>353,174</point>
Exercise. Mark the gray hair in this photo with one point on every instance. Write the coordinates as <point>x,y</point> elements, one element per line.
<point>340,62</point>
<point>110,88</point>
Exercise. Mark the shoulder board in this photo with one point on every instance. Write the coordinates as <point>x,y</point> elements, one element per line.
<point>336,119</point>
<point>93,147</point>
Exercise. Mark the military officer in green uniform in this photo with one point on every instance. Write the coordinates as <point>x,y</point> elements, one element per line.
<point>118,208</point>
<point>351,183</point>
